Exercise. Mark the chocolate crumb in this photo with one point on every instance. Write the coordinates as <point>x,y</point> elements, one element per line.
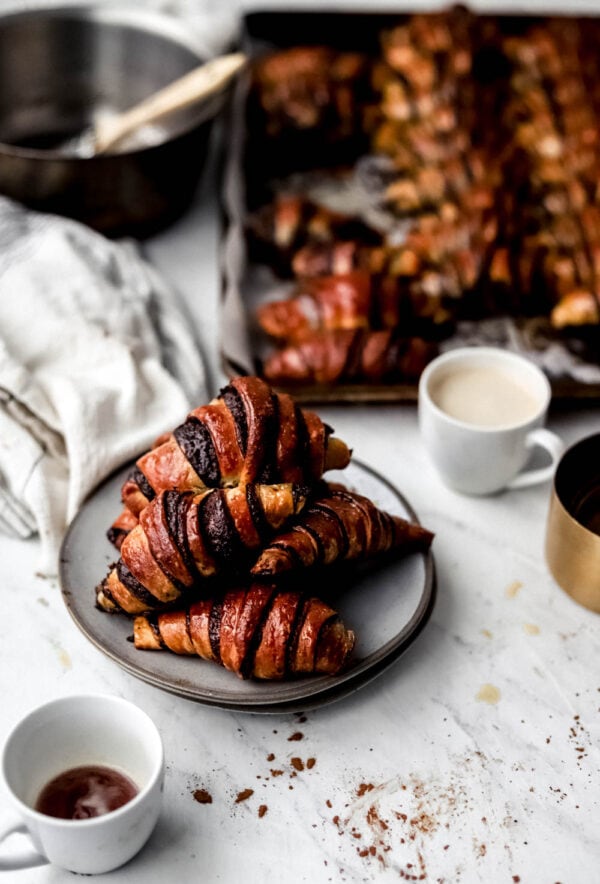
<point>270,757</point>
<point>310,763</point>
<point>243,795</point>
<point>297,763</point>
<point>202,796</point>
<point>296,736</point>
<point>262,810</point>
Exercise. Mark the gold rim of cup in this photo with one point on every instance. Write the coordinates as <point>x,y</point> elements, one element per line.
<point>572,546</point>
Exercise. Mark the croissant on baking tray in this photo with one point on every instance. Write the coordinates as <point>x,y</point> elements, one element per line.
<point>350,355</point>
<point>353,300</point>
<point>183,538</point>
<point>262,632</point>
<point>337,526</point>
<point>280,228</point>
<point>249,433</point>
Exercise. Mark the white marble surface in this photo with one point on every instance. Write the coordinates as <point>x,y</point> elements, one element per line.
<point>474,758</point>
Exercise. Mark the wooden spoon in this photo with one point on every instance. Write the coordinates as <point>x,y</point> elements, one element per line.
<point>200,83</point>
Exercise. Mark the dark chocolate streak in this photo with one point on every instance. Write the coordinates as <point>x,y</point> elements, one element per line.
<point>103,588</point>
<point>142,482</point>
<point>114,534</point>
<point>352,364</point>
<point>214,629</point>
<point>248,662</point>
<point>156,630</point>
<point>219,531</point>
<point>316,537</point>
<point>300,492</point>
<point>257,513</point>
<point>175,504</point>
<point>292,642</point>
<point>332,514</point>
<point>289,549</point>
<point>303,443</point>
<point>135,587</point>
<point>194,439</point>
<point>268,472</point>
<point>235,404</point>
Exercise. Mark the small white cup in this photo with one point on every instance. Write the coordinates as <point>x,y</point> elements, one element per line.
<point>71,732</point>
<point>476,458</point>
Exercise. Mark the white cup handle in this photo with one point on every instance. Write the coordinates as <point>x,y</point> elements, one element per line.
<point>551,443</point>
<point>21,859</point>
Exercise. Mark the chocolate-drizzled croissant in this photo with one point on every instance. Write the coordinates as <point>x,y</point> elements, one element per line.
<point>339,526</point>
<point>248,434</point>
<point>183,538</point>
<point>259,632</point>
<point>354,356</point>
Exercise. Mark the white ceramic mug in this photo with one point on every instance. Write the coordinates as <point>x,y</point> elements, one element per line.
<point>485,452</point>
<point>71,732</point>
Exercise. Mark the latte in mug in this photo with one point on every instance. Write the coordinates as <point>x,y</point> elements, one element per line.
<point>481,412</point>
<point>486,396</point>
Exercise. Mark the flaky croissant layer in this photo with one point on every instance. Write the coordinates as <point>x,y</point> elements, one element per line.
<point>183,538</point>
<point>248,434</point>
<point>339,526</point>
<point>259,632</point>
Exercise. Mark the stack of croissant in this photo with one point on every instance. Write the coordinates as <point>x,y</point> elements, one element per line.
<point>222,520</point>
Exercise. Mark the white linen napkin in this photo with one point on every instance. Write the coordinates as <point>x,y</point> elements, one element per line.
<point>96,361</point>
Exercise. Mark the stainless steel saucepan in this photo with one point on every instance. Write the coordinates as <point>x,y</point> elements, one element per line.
<point>63,68</point>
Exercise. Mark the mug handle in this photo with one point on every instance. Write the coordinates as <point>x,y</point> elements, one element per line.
<point>22,859</point>
<point>551,443</point>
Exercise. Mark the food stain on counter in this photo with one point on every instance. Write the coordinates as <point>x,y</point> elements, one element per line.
<point>394,823</point>
<point>416,826</point>
<point>531,629</point>
<point>512,589</point>
<point>488,693</point>
<point>63,657</point>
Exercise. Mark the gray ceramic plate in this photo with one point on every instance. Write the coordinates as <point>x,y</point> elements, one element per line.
<point>386,607</point>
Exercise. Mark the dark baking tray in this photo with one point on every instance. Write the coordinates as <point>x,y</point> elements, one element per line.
<point>265,30</point>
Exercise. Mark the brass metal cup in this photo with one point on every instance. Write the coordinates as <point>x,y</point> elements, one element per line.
<point>573,528</point>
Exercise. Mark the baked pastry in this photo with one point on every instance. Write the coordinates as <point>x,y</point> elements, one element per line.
<point>357,299</point>
<point>281,228</point>
<point>260,632</point>
<point>247,434</point>
<point>339,526</point>
<point>120,528</point>
<point>340,355</point>
<point>183,538</point>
